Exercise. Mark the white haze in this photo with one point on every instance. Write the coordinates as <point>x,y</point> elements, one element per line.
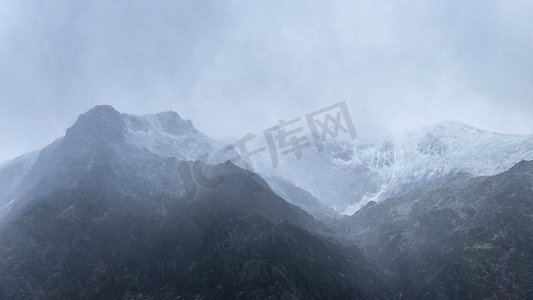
<point>240,66</point>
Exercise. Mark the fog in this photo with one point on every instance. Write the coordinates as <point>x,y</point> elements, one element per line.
<point>234,67</point>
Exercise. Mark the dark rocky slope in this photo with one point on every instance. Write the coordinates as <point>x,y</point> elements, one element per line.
<point>470,239</point>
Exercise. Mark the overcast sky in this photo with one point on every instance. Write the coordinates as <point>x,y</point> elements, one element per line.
<point>239,66</point>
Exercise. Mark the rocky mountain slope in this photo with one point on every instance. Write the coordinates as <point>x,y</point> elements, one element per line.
<point>107,213</point>
<point>471,239</point>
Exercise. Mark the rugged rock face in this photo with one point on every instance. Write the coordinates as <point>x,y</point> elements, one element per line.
<point>99,217</point>
<point>472,239</point>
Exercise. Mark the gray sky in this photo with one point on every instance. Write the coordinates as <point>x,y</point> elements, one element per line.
<point>239,66</point>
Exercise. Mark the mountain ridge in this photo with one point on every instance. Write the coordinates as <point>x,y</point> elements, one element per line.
<point>102,218</point>
<point>347,174</point>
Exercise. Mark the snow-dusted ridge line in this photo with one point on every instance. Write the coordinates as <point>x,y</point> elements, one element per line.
<point>348,174</point>
<point>166,134</point>
<point>345,176</point>
<point>446,148</point>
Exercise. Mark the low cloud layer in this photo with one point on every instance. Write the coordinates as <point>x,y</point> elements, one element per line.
<point>239,66</point>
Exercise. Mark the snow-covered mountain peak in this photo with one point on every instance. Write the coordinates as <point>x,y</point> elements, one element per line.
<point>433,152</point>
<point>347,175</point>
<point>456,145</point>
<point>439,138</point>
<point>105,123</point>
<point>168,122</point>
<point>100,137</point>
<point>167,134</point>
<point>164,134</point>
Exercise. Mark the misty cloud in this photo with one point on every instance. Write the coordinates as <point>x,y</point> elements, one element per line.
<point>239,66</point>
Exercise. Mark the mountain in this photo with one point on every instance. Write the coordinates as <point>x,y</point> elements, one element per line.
<point>99,135</point>
<point>470,239</point>
<point>347,174</point>
<point>120,208</point>
<point>103,129</point>
<point>147,207</point>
